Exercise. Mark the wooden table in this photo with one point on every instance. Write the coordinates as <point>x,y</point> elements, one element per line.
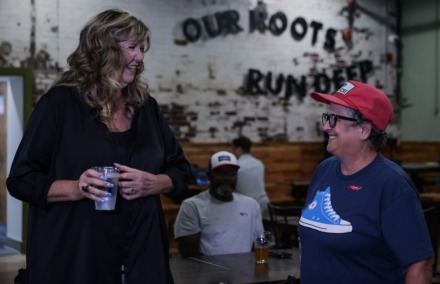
<point>416,169</point>
<point>198,187</point>
<point>234,268</point>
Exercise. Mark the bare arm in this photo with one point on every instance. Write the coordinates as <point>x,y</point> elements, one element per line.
<point>189,245</point>
<point>72,190</point>
<point>145,183</point>
<point>64,190</point>
<point>420,272</point>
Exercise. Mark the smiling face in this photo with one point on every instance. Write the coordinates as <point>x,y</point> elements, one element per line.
<point>344,137</point>
<point>134,58</point>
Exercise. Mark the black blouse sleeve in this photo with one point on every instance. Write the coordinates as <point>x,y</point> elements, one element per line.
<point>29,179</point>
<point>176,166</point>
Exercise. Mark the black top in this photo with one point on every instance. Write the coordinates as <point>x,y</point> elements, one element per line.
<point>71,242</point>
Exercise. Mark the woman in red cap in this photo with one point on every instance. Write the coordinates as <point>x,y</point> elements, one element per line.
<point>363,221</point>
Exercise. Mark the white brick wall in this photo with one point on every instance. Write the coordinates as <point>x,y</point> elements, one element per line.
<point>211,72</point>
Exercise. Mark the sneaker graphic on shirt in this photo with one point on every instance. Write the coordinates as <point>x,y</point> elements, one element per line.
<point>319,215</point>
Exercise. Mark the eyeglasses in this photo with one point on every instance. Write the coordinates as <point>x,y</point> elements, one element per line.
<point>332,118</point>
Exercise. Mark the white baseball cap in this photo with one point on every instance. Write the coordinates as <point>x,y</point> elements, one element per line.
<point>222,158</point>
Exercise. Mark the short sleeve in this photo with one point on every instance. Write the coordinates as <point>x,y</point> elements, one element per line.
<point>187,220</point>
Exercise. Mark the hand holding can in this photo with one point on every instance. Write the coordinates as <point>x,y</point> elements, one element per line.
<point>112,175</point>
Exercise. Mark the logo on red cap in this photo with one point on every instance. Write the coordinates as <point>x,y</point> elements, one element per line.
<point>347,87</point>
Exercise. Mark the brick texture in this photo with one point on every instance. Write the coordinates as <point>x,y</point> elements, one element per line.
<point>201,85</point>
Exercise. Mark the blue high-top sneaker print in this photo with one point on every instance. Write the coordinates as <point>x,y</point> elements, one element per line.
<point>319,215</point>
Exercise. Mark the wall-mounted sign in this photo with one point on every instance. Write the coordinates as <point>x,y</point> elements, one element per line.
<point>259,83</point>
<point>227,22</point>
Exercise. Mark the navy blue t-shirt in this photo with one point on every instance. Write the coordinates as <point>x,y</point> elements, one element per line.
<point>361,228</point>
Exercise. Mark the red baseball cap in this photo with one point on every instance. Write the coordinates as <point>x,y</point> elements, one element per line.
<point>372,103</point>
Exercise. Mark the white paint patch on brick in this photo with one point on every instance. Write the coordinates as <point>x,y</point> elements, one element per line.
<point>207,77</point>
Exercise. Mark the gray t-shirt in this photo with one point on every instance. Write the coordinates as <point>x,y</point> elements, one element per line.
<point>226,227</point>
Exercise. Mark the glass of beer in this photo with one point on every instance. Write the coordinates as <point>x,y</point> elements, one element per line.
<point>261,248</point>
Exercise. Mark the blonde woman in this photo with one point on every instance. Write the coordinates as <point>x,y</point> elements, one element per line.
<point>99,113</point>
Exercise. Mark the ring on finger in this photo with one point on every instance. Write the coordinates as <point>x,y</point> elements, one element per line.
<point>133,191</point>
<point>85,188</point>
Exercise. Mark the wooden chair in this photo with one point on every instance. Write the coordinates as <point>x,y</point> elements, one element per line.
<point>284,223</point>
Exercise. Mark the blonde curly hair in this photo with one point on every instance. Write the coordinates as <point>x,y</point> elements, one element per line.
<point>96,65</point>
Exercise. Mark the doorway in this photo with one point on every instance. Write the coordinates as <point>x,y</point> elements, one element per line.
<point>15,108</point>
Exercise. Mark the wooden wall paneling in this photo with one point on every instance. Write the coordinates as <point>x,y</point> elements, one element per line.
<point>284,162</point>
<point>288,161</point>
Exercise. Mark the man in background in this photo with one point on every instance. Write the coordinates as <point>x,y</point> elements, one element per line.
<point>250,180</point>
<point>218,220</point>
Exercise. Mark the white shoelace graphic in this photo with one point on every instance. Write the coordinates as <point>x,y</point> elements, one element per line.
<point>328,208</point>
